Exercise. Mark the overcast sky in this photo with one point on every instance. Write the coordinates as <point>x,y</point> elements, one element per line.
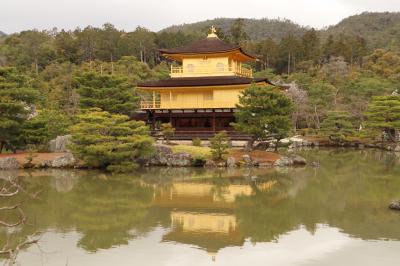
<point>17,15</point>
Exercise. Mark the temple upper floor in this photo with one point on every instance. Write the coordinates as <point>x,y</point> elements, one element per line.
<point>209,67</point>
<point>209,57</point>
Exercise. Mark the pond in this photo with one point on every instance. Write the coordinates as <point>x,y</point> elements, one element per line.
<point>335,214</point>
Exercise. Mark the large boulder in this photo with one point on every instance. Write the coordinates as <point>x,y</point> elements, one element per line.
<point>181,159</point>
<point>60,144</point>
<point>8,163</point>
<point>395,205</point>
<point>397,148</point>
<point>161,155</point>
<point>66,160</point>
<point>283,162</point>
<point>210,164</point>
<point>247,160</point>
<point>298,160</point>
<point>231,162</point>
<point>221,164</point>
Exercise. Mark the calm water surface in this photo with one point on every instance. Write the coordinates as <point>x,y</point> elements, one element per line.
<point>333,215</point>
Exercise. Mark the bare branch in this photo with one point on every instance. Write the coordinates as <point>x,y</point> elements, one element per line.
<point>9,208</point>
<point>3,193</point>
<point>21,220</point>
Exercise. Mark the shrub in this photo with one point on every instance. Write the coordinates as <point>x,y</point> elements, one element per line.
<point>337,126</point>
<point>196,142</point>
<point>109,141</point>
<point>167,130</point>
<point>194,151</point>
<point>219,145</point>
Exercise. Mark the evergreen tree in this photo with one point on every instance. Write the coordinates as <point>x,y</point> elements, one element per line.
<point>66,47</point>
<point>383,114</point>
<point>107,92</point>
<point>47,125</point>
<point>290,53</point>
<point>16,99</point>
<point>263,112</point>
<point>311,45</point>
<point>268,50</point>
<point>237,31</point>
<point>337,126</point>
<point>219,145</point>
<point>167,130</point>
<point>110,141</point>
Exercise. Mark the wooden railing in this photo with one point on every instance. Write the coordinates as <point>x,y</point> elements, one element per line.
<point>204,135</point>
<point>208,71</point>
<point>145,105</point>
<point>205,104</point>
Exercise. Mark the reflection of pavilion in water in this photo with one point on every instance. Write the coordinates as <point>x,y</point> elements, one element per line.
<point>203,213</point>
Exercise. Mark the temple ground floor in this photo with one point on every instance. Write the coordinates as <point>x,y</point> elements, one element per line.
<point>189,124</point>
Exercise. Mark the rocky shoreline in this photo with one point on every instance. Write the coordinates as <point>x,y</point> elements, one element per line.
<point>395,205</point>
<point>165,157</point>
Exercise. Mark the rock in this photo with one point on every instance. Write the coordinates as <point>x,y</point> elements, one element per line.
<point>397,148</point>
<point>283,162</point>
<point>395,205</point>
<point>265,164</point>
<point>247,160</point>
<point>298,160</point>
<point>315,164</point>
<point>198,162</point>
<point>44,164</point>
<point>181,159</point>
<point>8,163</point>
<point>221,164</point>
<point>161,155</point>
<point>315,144</point>
<point>262,146</point>
<point>231,162</point>
<point>64,161</point>
<point>60,144</point>
<point>210,163</point>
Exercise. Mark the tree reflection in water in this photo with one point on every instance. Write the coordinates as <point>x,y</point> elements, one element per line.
<point>212,208</point>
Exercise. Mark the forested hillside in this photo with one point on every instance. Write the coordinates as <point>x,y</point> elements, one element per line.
<point>379,29</point>
<point>257,29</point>
<point>60,73</point>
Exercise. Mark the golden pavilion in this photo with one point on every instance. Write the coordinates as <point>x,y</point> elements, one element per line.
<point>201,94</point>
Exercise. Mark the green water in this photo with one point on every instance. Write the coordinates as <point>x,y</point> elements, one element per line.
<point>332,215</point>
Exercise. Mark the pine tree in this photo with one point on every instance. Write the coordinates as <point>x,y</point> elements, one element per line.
<point>383,114</point>
<point>337,126</point>
<point>108,141</point>
<point>107,92</point>
<point>263,112</point>
<point>168,131</point>
<point>16,99</point>
<point>47,125</point>
<point>237,31</point>
<point>219,145</point>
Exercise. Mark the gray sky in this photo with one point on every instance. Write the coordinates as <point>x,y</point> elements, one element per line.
<point>17,15</point>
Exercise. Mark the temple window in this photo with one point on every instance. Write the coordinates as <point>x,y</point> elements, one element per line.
<point>208,96</point>
<point>220,67</point>
<point>190,68</point>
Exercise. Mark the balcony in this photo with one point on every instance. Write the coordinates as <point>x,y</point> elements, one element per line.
<point>146,105</point>
<point>199,71</point>
<point>169,105</point>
